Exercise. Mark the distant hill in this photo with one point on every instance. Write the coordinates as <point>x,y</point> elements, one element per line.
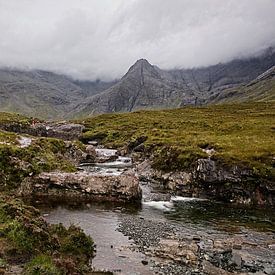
<point>145,86</point>
<point>43,94</point>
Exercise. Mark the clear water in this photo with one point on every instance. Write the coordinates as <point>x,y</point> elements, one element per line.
<point>115,251</point>
<point>193,217</point>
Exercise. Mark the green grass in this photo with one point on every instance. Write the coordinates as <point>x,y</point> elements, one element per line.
<point>42,265</point>
<point>14,118</point>
<point>26,238</point>
<point>16,163</point>
<point>241,134</point>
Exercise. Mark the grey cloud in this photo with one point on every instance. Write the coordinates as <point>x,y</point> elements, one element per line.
<point>91,39</point>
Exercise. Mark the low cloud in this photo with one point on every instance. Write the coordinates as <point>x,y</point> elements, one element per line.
<point>91,39</point>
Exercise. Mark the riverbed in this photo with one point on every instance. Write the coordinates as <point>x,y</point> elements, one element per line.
<point>167,234</point>
<point>141,239</point>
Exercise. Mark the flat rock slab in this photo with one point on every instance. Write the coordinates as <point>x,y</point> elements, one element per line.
<point>83,185</point>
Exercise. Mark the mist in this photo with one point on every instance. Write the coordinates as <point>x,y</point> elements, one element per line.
<point>101,39</point>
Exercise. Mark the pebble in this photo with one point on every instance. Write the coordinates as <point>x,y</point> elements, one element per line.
<point>144,262</point>
<point>237,246</point>
<point>149,236</point>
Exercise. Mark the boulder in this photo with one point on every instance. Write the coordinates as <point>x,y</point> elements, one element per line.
<point>82,186</point>
<point>178,251</point>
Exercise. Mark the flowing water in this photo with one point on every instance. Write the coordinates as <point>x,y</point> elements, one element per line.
<point>187,216</point>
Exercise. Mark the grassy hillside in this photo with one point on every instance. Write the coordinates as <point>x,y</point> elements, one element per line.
<point>242,134</point>
<point>43,154</point>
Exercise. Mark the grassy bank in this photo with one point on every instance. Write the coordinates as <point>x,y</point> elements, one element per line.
<point>241,134</point>
<point>16,162</point>
<point>27,241</point>
<point>14,118</point>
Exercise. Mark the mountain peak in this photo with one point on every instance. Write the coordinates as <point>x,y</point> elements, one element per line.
<point>142,61</point>
<point>140,66</point>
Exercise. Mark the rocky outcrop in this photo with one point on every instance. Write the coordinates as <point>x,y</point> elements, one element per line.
<point>82,186</point>
<point>65,131</point>
<point>232,184</point>
<point>210,179</point>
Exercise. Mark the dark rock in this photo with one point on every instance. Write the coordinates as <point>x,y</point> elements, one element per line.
<point>144,262</point>
<point>196,238</point>
<point>237,246</point>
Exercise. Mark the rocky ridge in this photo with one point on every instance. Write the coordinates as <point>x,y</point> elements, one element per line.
<point>145,86</point>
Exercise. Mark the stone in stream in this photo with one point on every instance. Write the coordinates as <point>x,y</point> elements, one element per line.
<point>105,155</point>
<point>82,186</point>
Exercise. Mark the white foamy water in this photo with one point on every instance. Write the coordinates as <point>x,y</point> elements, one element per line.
<point>24,141</point>
<point>169,205</point>
<point>179,198</point>
<point>121,162</point>
<point>161,205</point>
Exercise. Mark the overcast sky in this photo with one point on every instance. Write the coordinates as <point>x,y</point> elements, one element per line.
<point>91,39</point>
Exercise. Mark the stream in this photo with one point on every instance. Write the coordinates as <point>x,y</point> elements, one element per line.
<point>171,235</point>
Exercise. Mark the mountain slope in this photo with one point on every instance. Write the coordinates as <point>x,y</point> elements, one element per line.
<point>143,86</point>
<point>260,89</point>
<point>43,94</point>
<point>146,86</point>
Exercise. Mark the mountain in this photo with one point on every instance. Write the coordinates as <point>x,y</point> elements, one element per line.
<point>43,94</point>
<point>146,86</point>
<point>143,86</point>
<point>52,96</point>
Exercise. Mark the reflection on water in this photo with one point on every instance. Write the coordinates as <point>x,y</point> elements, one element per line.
<point>207,213</point>
<point>113,248</point>
<point>213,213</point>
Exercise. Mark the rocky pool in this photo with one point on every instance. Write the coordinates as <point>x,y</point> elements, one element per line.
<point>174,235</point>
<point>167,234</point>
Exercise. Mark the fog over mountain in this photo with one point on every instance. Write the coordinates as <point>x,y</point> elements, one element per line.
<point>102,39</point>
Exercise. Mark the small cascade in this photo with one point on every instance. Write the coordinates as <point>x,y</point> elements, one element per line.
<point>108,163</point>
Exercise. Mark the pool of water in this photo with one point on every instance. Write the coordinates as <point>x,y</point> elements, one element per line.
<point>115,251</point>
<point>190,216</point>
